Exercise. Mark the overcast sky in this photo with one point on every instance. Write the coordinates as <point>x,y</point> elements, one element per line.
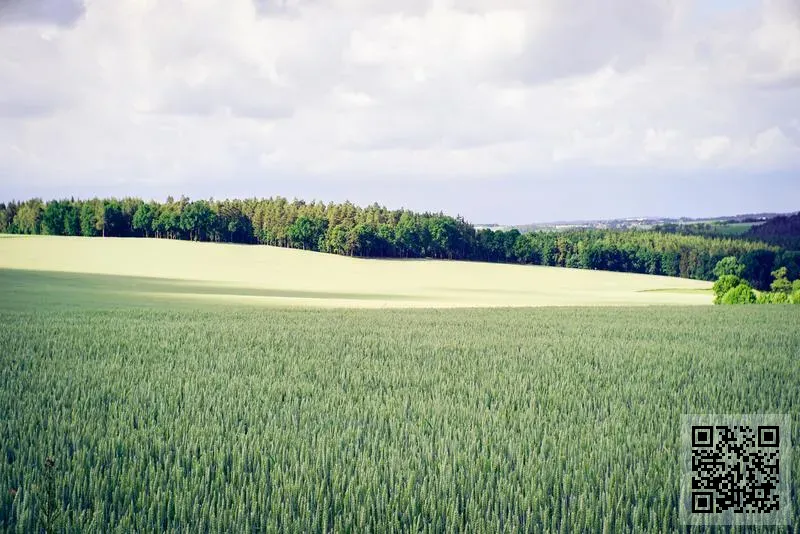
<point>507,111</point>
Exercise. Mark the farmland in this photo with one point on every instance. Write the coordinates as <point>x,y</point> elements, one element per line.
<point>122,269</point>
<point>211,414</point>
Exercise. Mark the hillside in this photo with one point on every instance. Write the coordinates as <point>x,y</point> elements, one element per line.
<point>170,269</point>
<point>783,230</point>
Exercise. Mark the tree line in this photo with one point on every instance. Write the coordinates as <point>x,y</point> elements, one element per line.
<point>732,288</point>
<point>375,231</point>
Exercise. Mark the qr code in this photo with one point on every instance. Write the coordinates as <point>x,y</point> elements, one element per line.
<point>735,469</point>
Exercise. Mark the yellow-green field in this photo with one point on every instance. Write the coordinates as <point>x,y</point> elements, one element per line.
<point>186,271</point>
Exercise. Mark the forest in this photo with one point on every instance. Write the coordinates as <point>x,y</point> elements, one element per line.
<point>783,230</point>
<point>375,231</point>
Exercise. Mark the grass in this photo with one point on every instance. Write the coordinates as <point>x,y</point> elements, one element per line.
<point>733,229</point>
<point>273,276</point>
<point>167,411</point>
<point>229,418</point>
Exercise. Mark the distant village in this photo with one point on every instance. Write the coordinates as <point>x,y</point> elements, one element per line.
<point>642,223</point>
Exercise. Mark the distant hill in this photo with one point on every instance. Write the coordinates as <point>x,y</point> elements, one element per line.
<point>783,230</point>
<point>646,223</point>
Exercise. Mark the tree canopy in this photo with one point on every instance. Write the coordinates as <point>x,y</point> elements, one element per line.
<point>741,294</point>
<point>732,289</point>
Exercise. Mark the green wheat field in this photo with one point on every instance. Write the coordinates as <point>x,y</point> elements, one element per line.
<point>213,416</point>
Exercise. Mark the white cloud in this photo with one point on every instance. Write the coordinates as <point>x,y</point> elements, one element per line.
<point>771,146</point>
<point>209,89</point>
<point>660,142</point>
<point>711,147</point>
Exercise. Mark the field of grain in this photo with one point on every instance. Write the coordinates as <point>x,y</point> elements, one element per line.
<point>243,274</point>
<point>231,419</point>
<point>141,391</point>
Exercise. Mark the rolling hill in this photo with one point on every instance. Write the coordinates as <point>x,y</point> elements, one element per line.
<point>153,270</point>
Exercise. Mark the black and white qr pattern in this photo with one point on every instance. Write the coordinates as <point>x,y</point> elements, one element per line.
<point>735,468</point>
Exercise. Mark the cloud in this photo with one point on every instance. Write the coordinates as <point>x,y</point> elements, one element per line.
<point>207,93</point>
<point>576,37</point>
<point>209,90</point>
<point>711,147</point>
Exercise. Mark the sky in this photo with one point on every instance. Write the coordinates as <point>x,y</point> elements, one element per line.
<point>503,111</point>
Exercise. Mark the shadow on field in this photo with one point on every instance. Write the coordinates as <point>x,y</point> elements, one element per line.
<point>21,287</point>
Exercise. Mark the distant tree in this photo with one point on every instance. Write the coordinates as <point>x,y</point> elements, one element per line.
<point>591,257</point>
<point>197,220</point>
<point>5,220</point>
<point>729,265</point>
<point>100,217</point>
<point>725,283</point>
<point>509,243</point>
<point>758,267</point>
<point>408,236</point>
<point>72,219</point>
<point>336,240</point>
<point>670,262</point>
<point>647,260</point>
<point>88,219</point>
<point>362,240</point>
<point>445,239</point>
<point>233,223</point>
<point>791,260</point>
<point>305,232</point>
<point>53,218</point>
<point>741,294</point>
<point>781,284</point>
<point>385,238</point>
<point>525,249</point>
<point>167,224</point>
<point>128,208</point>
<point>29,217</point>
<point>114,221</point>
<point>143,219</point>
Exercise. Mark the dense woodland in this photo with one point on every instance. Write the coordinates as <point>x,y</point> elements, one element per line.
<point>783,230</point>
<point>375,231</point>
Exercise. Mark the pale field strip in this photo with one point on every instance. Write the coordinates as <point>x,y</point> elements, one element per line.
<point>373,283</point>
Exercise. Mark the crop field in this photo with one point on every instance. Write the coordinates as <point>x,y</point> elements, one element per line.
<point>119,270</point>
<point>733,229</point>
<point>192,416</point>
<point>173,403</point>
